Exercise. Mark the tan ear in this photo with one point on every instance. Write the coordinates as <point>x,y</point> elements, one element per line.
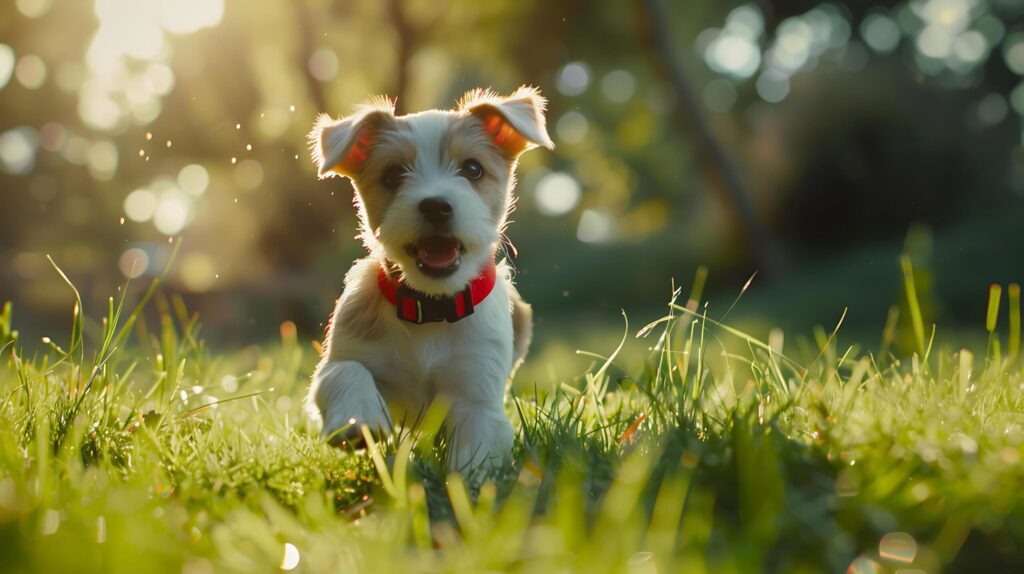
<point>516,123</point>
<point>340,147</point>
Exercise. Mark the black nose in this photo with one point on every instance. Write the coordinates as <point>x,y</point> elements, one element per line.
<point>436,210</point>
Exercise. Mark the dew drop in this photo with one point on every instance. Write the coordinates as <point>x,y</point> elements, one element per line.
<point>898,547</point>
<point>863,565</point>
<point>50,523</point>
<point>291,557</point>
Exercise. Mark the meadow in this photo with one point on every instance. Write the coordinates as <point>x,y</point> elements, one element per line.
<point>128,445</point>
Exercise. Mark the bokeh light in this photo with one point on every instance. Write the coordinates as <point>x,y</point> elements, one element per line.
<point>898,547</point>
<point>792,47</point>
<point>69,76</point>
<point>572,127</point>
<point>557,193</point>
<point>172,213</point>
<point>291,557</point>
<point>323,64</point>
<point>746,21</point>
<point>18,150</point>
<point>171,203</point>
<point>970,47</point>
<point>6,65</point>
<point>102,160</point>
<point>114,93</point>
<point>133,262</point>
<point>140,205</point>
<point>573,79</point>
<point>197,271</point>
<point>618,86</point>
<point>594,227</point>
<point>30,71</point>
<point>734,50</point>
<point>992,109</point>
<point>34,8</point>
<point>188,16</point>
<point>733,55</point>
<point>772,86</point>
<point>53,136</point>
<point>864,565</point>
<point>159,79</point>
<point>193,179</point>
<point>76,150</point>
<point>1013,52</point>
<point>797,44</point>
<point>1017,99</point>
<point>935,42</point>
<point>880,32</point>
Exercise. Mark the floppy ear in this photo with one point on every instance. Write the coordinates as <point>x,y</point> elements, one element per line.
<point>340,147</point>
<point>515,123</point>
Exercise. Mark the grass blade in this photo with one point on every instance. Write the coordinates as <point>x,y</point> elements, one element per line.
<point>912,302</point>
<point>992,315</point>
<point>1013,343</point>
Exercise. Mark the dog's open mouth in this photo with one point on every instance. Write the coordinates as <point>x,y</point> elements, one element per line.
<point>437,255</point>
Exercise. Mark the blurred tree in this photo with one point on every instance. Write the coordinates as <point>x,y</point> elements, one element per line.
<point>845,122</point>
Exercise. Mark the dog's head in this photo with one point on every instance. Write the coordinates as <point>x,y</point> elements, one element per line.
<point>433,188</point>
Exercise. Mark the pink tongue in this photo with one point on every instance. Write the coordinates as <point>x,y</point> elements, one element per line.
<point>438,255</point>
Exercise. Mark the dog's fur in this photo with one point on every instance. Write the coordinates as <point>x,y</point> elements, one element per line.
<point>377,368</point>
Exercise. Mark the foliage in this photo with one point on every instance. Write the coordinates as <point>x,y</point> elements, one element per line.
<point>846,123</point>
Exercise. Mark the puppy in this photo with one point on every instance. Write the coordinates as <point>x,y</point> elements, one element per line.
<point>429,313</point>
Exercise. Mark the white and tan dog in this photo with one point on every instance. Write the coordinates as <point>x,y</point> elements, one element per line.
<point>429,313</point>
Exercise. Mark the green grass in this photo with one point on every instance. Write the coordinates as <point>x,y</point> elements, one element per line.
<point>129,446</point>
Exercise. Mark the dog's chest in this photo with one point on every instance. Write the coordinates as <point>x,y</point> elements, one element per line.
<point>412,363</point>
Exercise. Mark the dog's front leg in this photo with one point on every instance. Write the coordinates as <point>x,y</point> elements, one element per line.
<point>346,396</point>
<point>481,436</point>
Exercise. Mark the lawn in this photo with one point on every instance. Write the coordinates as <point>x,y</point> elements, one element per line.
<point>130,446</point>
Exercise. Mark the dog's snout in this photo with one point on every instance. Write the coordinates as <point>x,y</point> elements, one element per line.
<point>436,210</point>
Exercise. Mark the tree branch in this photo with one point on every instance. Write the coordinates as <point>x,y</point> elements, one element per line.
<point>762,243</point>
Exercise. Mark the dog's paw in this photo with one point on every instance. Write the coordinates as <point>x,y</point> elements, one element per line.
<point>482,440</point>
<point>347,398</point>
<point>344,432</point>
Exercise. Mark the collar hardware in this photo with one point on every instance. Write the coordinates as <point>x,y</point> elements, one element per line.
<point>416,307</point>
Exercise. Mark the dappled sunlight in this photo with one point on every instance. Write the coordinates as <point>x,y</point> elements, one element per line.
<point>127,58</point>
<point>828,194</point>
<point>139,92</point>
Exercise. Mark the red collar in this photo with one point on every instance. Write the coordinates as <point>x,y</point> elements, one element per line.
<point>417,307</point>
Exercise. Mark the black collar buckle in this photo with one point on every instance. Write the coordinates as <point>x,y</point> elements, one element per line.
<point>419,308</point>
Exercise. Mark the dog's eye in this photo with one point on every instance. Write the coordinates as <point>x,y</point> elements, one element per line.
<point>393,177</point>
<point>471,169</point>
